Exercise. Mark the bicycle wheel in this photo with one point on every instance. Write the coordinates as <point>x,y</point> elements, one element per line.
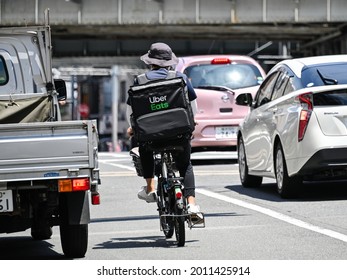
<point>166,222</point>
<point>168,226</point>
<point>180,230</point>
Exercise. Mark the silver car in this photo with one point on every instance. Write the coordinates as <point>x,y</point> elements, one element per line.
<point>296,129</point>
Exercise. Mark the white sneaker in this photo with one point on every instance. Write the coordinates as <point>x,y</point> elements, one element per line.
<point>148,197</point>
<point>193,209</point>
<point>195,215</point>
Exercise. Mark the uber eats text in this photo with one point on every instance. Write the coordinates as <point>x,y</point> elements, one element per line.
<point>158,103</point>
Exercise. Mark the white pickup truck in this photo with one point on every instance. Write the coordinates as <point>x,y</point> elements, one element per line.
<point>49,172</point>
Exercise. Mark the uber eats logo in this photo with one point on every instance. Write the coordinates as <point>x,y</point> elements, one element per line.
<point>158,103</point>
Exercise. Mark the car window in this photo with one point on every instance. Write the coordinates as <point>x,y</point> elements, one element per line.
<point>265,90</point>
<point>330,98</point>
<point>280,85</point>
<point>233,76</point>
<point>289,86</point>
<point>325,74</point>
<point>3,72</point>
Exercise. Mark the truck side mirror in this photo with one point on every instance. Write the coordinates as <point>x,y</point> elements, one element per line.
<point>244,99</point>
<point>60,87</point>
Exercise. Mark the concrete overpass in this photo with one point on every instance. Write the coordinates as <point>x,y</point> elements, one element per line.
<point>118,31</point>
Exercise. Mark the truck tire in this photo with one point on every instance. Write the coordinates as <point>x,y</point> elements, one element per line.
<point>74,240</point>
<point>73,237</point>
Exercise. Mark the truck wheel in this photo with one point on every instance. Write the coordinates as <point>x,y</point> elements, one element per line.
<point>74,240</point>
<point>73,237</point>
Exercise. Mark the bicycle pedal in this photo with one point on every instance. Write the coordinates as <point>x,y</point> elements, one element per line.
<point>196,220</point>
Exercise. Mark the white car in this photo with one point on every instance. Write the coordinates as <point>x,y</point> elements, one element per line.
<point>296,129</point>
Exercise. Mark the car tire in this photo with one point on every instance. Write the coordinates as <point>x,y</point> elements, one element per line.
<point>287,187</point>
<point>247,180</point>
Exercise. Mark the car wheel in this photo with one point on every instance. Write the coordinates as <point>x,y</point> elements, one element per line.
<point>287,187</point>
<point>247,180</point>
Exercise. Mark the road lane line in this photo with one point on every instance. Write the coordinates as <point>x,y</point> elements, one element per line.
<point>275,215</point>
<point>120,166</point>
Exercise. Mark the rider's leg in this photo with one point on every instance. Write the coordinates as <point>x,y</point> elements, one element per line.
<point>191,199</point>
<point>147,162</point>
<point>184,165</point>
<point>150,185</point>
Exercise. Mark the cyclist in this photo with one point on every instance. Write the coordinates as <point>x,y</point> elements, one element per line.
<point>160,60</point>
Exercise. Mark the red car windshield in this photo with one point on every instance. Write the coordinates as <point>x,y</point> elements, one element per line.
<point>233,76</point>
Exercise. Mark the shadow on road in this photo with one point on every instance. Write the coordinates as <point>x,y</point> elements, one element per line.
<point>25,248</point>
<point>197,162</point>
<point>154,241</point>
<point>310,191</point>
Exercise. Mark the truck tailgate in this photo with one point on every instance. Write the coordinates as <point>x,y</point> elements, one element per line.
<point>39,151</point>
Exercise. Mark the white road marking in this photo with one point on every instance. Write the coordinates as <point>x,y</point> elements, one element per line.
<point>120,166</point>
<point>275,215</point>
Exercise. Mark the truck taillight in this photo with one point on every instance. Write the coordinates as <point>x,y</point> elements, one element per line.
<point>305,113</point>
<point>221,60</point>
<point>72,185</point>
<point>95,198</point>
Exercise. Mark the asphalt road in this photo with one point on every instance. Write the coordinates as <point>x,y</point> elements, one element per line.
<point>241,224</point>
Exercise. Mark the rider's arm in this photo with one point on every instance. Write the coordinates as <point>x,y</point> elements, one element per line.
<point>129,111</point>
<point>194,106</point>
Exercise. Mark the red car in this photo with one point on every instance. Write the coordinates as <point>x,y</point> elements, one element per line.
<point>218,80</point>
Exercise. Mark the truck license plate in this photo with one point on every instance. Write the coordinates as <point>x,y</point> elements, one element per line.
<point>229,132</point>
<point>6,201</point>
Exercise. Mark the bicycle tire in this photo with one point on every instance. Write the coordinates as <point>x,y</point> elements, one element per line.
<point>169,230</point>
<point>166,223</point>
<point>180,230</point>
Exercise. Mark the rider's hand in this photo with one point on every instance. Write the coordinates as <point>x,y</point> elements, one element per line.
<point>130,131</point>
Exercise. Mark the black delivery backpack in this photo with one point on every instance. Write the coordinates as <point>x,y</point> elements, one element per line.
<point>161,109</point>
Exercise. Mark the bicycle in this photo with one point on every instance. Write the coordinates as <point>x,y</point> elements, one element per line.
<point>170,199</point>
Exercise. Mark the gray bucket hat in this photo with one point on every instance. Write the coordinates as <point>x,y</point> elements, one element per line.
<point>160,54</point>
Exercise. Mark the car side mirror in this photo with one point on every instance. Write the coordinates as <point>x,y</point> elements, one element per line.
<point>60,87</point>
<point>244,99</point>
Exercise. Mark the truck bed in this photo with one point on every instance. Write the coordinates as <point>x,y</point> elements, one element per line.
<point>50,150</point>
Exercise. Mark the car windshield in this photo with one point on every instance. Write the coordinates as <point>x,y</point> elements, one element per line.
<point>233,76</point>
<point>328,74</point>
